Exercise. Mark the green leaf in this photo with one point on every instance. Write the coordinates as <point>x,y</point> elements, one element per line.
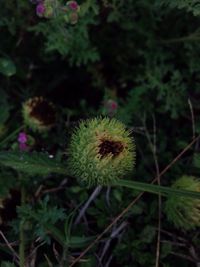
<point>7,67</point>
<point>4,107</point>
<point>56,233</point>
<point>7,264</point>
<point>156,189</point>
<point>166,250</point>
<point>72,242</point>
<point>7,181</point>
<point>148,234</point>
<point>117,194</point>
<point>31,163</point>
<point>79,241</point>
<point>196,160</point>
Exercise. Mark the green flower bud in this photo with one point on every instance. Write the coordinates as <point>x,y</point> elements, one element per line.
<point>49,11</point>
<point>182,211</point>
<point>101,151</point>
<point>39,114</point>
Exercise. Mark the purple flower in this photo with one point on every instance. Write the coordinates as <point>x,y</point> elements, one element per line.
<point>73,5</point>
<point>23,147</point>
<point>40,9</point>
<point>22,138</point>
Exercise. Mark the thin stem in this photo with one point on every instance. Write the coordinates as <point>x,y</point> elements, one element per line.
<point>9,245</point>
<point>88,202</point>
<point>192,37</point>
<point>192,117</point>
<point>21,234</point>
<point>11,136</point>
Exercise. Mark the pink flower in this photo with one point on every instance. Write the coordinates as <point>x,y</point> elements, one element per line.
<point>22,138</point>
<point>40,9</point>
<point>111,105</point>
<point>73,5</point>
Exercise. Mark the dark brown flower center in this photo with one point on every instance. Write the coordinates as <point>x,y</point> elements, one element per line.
<point>42,110</point>
<point>107,146</point>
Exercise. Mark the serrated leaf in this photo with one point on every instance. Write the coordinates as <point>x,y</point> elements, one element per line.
<point>7,67</point>
<point>32,163</point>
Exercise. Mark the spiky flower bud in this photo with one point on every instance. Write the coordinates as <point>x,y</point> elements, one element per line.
<point>39,114</point>
<point>101,151</point>
<point>184,212</point>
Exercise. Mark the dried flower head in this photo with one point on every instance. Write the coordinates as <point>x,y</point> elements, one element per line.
<point>184,212</point>
<point>101,151</point>
<point>39,114</point>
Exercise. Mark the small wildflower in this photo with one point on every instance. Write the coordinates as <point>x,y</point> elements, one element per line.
<point>111,107</point>
<point>23,139</point>
<point>73,5</point>
<point>40,10</point>
<point>101,151</point>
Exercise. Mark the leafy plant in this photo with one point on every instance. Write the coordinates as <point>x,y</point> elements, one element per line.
<point>135,62</point>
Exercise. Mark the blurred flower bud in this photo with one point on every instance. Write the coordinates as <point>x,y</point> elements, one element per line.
<point>73,18</point>
<point>49,10</point>
<point>73,5</point>
<point>111,107</point>
<point>184,212</point>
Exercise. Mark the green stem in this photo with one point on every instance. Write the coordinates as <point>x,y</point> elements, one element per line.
<point>191,37</point>
<point>11,136</point>
<point>64,256</point>
<point>156,189</point>
<point>21,234</point>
